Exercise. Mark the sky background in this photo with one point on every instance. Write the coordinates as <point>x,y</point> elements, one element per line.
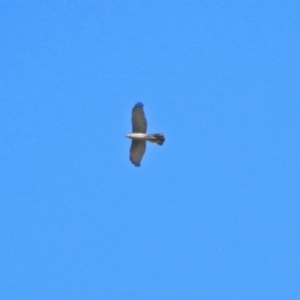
<point>212,214</point>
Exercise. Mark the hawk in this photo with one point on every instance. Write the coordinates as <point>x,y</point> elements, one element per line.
<point>139,136</point>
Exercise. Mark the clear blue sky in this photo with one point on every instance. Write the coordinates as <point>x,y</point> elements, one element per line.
<point>212,214</point>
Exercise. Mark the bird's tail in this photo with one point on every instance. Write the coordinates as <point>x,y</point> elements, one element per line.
<point>157,138</point>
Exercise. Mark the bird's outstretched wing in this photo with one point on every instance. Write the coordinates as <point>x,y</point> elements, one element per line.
<point>137,151</point>
<point>139,122</point>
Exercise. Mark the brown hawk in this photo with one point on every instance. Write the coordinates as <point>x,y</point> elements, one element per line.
<point>139,136</point>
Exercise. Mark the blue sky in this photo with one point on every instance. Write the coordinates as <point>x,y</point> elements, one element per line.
<point>212,214</point>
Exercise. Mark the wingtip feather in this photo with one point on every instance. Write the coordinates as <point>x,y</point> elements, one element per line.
<point>139,104</point>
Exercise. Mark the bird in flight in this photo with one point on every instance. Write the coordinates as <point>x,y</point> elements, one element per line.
<point>139,136</point>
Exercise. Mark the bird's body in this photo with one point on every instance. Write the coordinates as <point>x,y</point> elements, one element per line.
<point>139,136</point>
<point>157,138</point>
